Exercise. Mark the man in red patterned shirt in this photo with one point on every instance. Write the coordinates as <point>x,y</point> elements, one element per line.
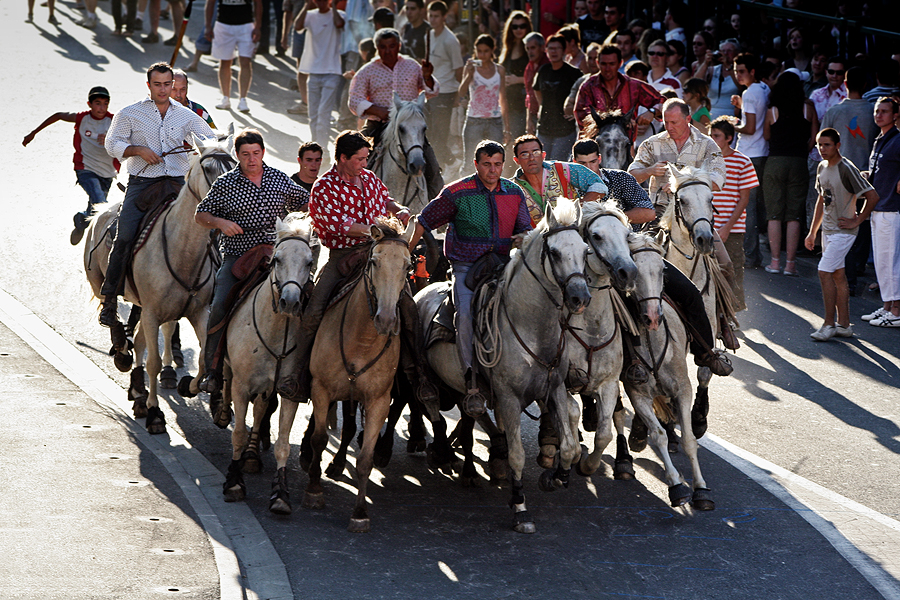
<point>609,90</point>
<point>343,205</point>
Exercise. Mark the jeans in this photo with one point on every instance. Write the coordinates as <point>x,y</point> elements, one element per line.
<point>439,115</point>
<point>557,148</point>
<point>323,92</point>
<point>127,225</point>
<point>752,255</point>
<point>462,318</point>
<point>225,280</point>
<point>476,130</point>
<point>683,291</point>
<point>96,187</point>
<point>131,11</point>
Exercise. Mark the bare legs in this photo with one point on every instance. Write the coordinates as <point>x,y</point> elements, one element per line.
<point>836,295</point>
<point>792,242</point>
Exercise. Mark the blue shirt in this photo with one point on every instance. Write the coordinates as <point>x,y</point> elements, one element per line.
<point>884,164</point>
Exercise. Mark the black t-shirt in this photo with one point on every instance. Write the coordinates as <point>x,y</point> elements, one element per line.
<point>554,87</point>
<point>296,179</point>
<point>592,30</point>
<point>414,39</point>
<point>235,12</point>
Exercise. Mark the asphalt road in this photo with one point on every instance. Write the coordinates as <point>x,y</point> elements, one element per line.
<point>826,412</point>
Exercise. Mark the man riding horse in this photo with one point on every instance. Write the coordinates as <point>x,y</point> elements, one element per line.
<point>343,205</point>
<point>150,134</point>
<point>372,91</point>
<point>243,204</point>
<point>486,214</point>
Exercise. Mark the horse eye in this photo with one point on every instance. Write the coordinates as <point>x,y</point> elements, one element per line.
<point>554,253</point>
<point>596,236</point>
<point>274,260</point>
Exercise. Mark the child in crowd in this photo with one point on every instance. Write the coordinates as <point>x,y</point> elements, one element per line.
<point>696,92</point>
<point>838,183</point>
<point>94,168</point>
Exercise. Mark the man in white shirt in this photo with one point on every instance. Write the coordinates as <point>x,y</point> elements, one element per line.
<point>321,61</point>
<point>753,104</point>
<point>446,57</point>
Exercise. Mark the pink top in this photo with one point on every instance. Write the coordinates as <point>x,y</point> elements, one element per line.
<point>484,96</point>
<point>376,83</point>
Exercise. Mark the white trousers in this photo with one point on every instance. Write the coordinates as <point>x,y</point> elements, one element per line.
<point>886,250</point>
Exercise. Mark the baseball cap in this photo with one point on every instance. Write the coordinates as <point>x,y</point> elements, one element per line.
<point>383,15</point>
<point>98,92</point>
<point>803,75</point>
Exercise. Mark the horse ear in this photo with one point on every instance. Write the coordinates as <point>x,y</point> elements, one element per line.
<point>376,233</point>
<point>410,229</point>
<point>229,143</point>
<point>231,128</point>
<point>196,142</point>
<point>578,212</point>
<point>397,102</point>
<point>421,100</point>
<point>552,223</point>
<point>595,116</point>
<point>674,174</point>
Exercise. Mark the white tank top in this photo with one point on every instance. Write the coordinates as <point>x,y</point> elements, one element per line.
<point>484,96</point>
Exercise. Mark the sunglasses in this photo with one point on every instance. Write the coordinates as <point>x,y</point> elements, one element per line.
<point>515,26</point>
<point>658,53</point>
<point>533,154</point>
<point>833,72</point>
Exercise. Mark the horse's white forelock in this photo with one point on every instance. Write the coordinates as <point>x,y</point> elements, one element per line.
<point>608,207</point>
<point>678,178</point>
<point>638,241</point>
<point>399,115</point>
<point>566,211</point>
<point>295,224</point>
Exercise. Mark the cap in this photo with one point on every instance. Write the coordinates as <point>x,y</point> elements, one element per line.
<point>383,15</point>
<point>98,92</point>
<point>803,75</point>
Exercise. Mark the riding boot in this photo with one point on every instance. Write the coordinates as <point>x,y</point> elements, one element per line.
<point>634,370</point>
<point>475,403</point>
<point>109,311</point>
<point>433,178</point>
<point>726,333</point>
<point>412,352</point>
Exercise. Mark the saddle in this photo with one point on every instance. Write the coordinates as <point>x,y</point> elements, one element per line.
<point>351,269</point>
<point>153,201</point>
<point>440,327</point>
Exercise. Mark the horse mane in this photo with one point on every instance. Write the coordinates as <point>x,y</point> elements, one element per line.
<point>607,207</point>
<point>391,227</point>
<point>566,213</point>
<point>638,241</point>
<point>681,177</point>
<point>295,224</point>
<point>592,129</point>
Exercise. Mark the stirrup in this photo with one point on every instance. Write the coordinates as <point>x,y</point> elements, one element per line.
<point>717,362</point>
<point>474,404</point>
<point>109,312</point>
<point>636,373</point>
<point>427,392</point>
<point>211,382</point>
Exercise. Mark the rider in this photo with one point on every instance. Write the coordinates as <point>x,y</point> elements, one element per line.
<point>151,135</point>
<point>180,95</point>
<point>243,204</point>
<point>632,198</point>
<point>486,213</point>
<point>343,205</point>
<point>372,90</point>
<point>545,180</point>
<point>94,168</point>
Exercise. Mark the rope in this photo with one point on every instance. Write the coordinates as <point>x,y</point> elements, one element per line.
<point>488,341</point>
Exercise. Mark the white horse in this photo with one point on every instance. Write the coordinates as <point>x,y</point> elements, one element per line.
<point>173,272</point>
<point>402,166</point>
<point>542,280</point>
<point>261,338</point>
<point>663,351</point>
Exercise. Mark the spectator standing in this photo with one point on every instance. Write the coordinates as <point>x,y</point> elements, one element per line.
<point>824,98</point>
<point>718,69</point>
<point>321,62</point>
<point>514,60</point>
<point>817,76</point>
<point>448,66</point>
<point>702,43</point>
<point>292,10</point>
<point>752,103</point>
<point>839,184</point>
<point>593,25</point>
<point>572,53</point>
<point>695,94</point>
<point>50,5</point>
<point>676,17</point>
<point>534,48</point>
<point>887,76</point>
<point>487,117</point>
<point>415,30</point>
<point>790,126</point>
<point>730,202</point>
<point>675,62</point>
<point>627,43</point>
<point>799,56</point>
<point>660,77</point>
<point>884,174</point>
<point>552,85</point>
<point>236,29</point>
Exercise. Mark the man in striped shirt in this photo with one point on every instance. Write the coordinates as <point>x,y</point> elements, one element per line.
<point>731,202</point>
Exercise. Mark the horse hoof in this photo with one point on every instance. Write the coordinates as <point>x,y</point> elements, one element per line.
<point>235,494</point>
<point>547,481</point>
<point>379,460</point>
<point>470,482</point>
<point>178,358</point>
<point>251,462</point>
<point>679,495</point>
<point>280,507</point>
<point>699,423</point>
<point>414,446</point>
<point>358,526</point>
<point>222,416</point>
<point>184,387</point>
<point>702,500</point>
<point>123,361</point>
<point>637,437</point>
<point>499,469</point>
<point>624,470</point>
<point>435,464</point>
<point>139,407</point>
<point>168,378</point>
<point>334,470</point>
<point>522,522</point>
<point>314,501</point>
<point>156,421</point>
<point>544,461</point>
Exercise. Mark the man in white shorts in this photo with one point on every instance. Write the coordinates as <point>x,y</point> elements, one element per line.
<point>839,183</point>
<point>236,29</point>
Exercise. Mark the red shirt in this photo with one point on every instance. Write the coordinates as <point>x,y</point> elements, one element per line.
<point>629,93</point>
<point>335,205</point>
<point>530,70</point>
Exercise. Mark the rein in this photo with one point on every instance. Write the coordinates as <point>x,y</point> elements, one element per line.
<point>405,153</point>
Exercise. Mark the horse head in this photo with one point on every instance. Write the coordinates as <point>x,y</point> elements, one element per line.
<point>386,272</point>
<point>408,132</point>
<point>293,263</point>
<point>564,253</point>
<point>605,229</point>
<point>611,132</point>
<point>648,257</point>
<point>692,207</point>
<point>212,157</point>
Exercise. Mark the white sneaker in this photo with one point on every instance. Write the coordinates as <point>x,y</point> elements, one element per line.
<point>874,315</point>
<point>88,22</point>
<point>844,332</point>
<point>225,104</point>
<point>242,105</point>
<point>886,320</point>
<point>825,333</point>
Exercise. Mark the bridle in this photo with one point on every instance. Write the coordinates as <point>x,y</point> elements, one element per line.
<point>278,286</point>
<point>559,280</point>
<point>404,152</point>
<point>654,367</point>
<point>590,240</point>
<point>679,215</point>
<point>223,159</point>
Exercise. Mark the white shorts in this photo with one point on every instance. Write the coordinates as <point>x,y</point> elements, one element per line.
<point>835,247</point>
<point>227,38</point>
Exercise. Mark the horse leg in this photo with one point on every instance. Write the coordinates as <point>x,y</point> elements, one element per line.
<point>280,500</point>
<point>313,496</point>
<point>438,454</point>
<point>416,441</point>
<point>701,403</point>
<point>187,386</point>
<point>498,453</point>
<point>548,439</point>
<point>175,346</point>
<point>156,421</point>
<point>624,468</point>
<point>469,476</point>
<point>384,449</point>
<point>701,498</point>
<point>567,411</point>
<point>305,458</point>
<point>250,458</point>
<point>348,430</point>
<point>220,402</point>
<point>168,378</point>
<point>679,492</point>
<point>509,419</point>
<point>376,414</point>
<point>603,435</point>
<point>123,340</point>
<point>234,488</point>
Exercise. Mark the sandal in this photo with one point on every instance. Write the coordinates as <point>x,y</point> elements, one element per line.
<point>791,272</point>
